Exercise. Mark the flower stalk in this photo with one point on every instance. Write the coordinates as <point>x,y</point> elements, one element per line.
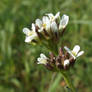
<point>68,81</point>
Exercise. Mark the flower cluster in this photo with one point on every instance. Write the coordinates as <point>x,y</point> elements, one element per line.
<point>48,31</point>
<point>50,27</point>
<point>63,61</point>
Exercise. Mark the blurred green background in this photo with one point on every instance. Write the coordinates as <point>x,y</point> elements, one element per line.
<point>18,69</point>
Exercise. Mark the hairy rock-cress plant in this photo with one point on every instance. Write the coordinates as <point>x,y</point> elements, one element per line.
<point>48,31</point>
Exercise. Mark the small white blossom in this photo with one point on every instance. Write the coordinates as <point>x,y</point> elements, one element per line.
<point>52,17</point>
<point>26,31</point>
<point>66,62</point>
<point>75,52</point>
<point>38,22</point>
<point>30,35</point>
<point>30,38</point>
<point>64,21</point>
<point>54,26</point>
<point>45,23</point>
<point>42,59</point>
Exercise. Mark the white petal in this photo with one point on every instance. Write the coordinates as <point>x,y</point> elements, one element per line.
<point>69,51</point>
<point>80,53</point>
<point>50,15</point>
<point>42,59</point>
<point>66,62</point>
<point>30,38</point>
<point>42,62</point>
<point>48,25</point>
<point>38,23</point>
<point>54,26</point>
<point>43,56</point>
<point>26,31</point>
<point>39,59</point>
<point>57,15</point>
<point>64,21</point>
<point>76,49</point>
<point>33,27</point>
<point>46,21</point>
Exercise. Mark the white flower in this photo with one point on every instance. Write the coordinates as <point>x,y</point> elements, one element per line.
<point>30,35</point>
<point>52,17</point>
<point>38,22</point>
<point>26,31</point>
<point>30,38</point>
<point>46,23</point>
<point>54,26</point>
<point>42,59</point>
<point>64,21</point>
<point>66,62</point>
<point>75,52</point>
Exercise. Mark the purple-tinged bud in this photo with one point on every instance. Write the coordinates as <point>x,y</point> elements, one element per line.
<point>61,53</point>
<point>52,58</point>
<point>38,33</point>
<point>46,33</point>
<point>72,61</point>
<point>49,67</point>
<point>67,55</point>
<point>59,63</point>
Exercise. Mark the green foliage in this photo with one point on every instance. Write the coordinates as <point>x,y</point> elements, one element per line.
<point>18,69</point>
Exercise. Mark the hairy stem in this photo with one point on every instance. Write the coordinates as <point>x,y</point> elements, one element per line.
<point>68,81</point>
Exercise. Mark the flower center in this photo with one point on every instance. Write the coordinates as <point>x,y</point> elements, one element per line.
<point>44,25</point>
<point>73,53</point>
<point>31,33</point>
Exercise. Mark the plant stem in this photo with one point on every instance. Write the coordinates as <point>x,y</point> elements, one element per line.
<point>68,81</point>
